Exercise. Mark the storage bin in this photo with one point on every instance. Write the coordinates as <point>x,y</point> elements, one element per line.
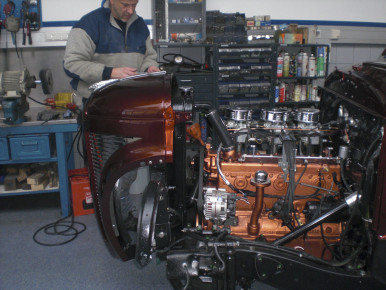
<point>28,147</point>
<point>4,152</point>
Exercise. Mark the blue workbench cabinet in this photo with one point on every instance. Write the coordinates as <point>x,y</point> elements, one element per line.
<point>40,142</point>
<point>4,152</point>
<point>27,147</point>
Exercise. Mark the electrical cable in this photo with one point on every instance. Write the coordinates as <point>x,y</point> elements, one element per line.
<point>244,198</point>
<point>76,111</point>
<point>222,268</point>
<point>176,54</point>
<point>327,246</point>
<point>61,227</point>
<point>343,176</point>
<point>53,229</point>
<point>187,277</point>
<point>168,248</point>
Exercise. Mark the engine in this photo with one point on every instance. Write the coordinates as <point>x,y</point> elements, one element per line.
<point>281,195</point>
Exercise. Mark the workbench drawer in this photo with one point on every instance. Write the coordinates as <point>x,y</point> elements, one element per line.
<point>24,147</point>
<point>4,152</point>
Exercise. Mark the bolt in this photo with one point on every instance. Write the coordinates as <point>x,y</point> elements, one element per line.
<point>261,176</point>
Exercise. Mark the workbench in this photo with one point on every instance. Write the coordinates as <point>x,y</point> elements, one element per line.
<point>61,130</point>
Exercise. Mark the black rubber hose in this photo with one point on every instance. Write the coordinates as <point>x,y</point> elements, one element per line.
<point>343,176</point>
<point>215,121</point>
<point>218,125</point>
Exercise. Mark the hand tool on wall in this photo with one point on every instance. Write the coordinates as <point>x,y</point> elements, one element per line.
<point>34,16</point>
<point>12,23</point>
<point>24,12</point>
<point>28,24</point>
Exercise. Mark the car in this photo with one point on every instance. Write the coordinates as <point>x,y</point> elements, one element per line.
<point>293,197</point>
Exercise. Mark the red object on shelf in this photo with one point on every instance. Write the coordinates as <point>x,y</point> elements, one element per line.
<point>82,202</point>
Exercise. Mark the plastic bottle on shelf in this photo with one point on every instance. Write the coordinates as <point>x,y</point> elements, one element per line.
<point>320,66</point>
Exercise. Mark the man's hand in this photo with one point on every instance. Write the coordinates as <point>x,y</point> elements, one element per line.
<point>151,69</point>
<point>123,72</point>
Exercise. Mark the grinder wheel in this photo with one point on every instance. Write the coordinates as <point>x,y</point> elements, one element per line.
<point>45,76</point>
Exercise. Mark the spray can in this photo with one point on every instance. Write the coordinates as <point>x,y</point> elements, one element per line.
<point>281,93</point>
<point>287,92</point>
<point>286,64</point>
<point>276,93</point>
<point>299,60</point>
<point>311,65</point>
<point>292,66</point>
<point>304,64</point>
<point>291,91</point>
<point>280,61</point>
<point>313,91</point>
<point>297,93</point>
<point>320,66</point>
<point>303,92</point>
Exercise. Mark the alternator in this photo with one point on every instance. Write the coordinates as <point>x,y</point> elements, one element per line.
<point>219,205</point>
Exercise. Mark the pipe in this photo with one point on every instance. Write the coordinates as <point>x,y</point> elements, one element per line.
<point>348,202</point>
<point>218,125</point>
<point>260,181</point>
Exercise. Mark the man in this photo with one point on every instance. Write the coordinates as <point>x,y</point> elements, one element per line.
<point>111,42</point>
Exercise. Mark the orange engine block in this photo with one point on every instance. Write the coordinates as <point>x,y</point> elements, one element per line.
<point>318,173</point>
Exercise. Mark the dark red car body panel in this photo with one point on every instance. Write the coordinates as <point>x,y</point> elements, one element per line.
<point>140,108</point>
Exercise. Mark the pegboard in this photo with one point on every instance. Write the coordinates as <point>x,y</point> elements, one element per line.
<point>34,7</point>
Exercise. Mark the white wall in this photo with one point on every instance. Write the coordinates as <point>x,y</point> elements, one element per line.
<point>69,10</point>
<point>330,10</point>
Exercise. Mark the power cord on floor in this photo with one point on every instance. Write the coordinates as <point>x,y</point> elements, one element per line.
<point>63,228</point>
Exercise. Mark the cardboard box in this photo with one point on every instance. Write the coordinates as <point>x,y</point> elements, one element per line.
<point>304,32</point>
<point>291,38</point>
<point>82,202</point>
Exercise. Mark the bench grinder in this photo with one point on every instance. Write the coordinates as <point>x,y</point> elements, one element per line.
<point>15,87</point>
